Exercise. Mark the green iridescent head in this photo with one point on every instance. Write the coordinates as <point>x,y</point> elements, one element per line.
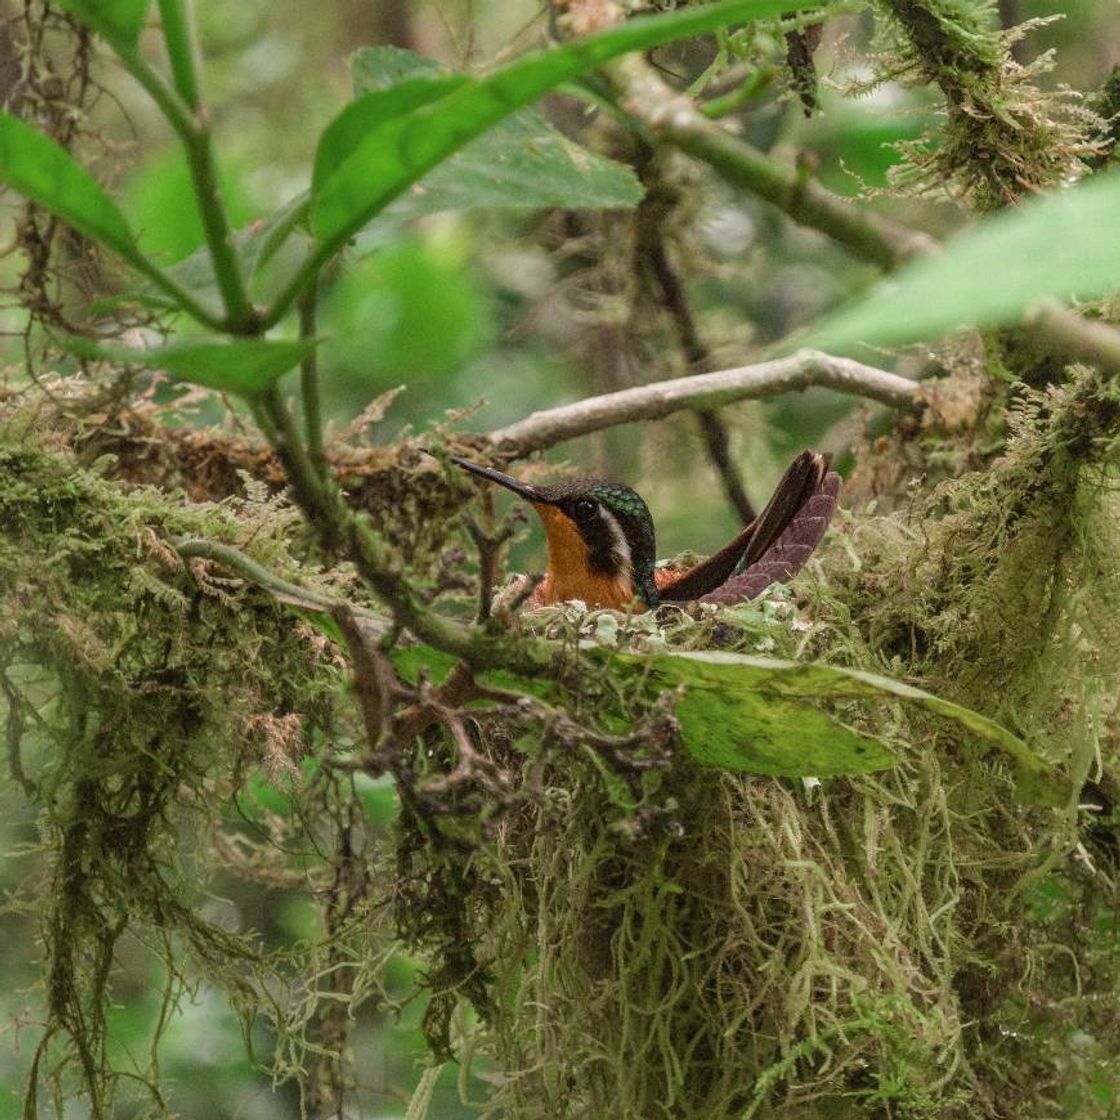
<point>613,520</point>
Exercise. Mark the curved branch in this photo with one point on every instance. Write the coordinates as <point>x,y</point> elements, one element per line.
<point>805,369</point>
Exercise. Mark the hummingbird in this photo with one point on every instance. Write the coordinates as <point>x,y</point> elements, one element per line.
<point>601,541</point>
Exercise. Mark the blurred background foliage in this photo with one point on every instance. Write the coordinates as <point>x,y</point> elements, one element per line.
<point>500,313</point>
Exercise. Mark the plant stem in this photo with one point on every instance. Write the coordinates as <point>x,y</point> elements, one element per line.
<point>755,85</point>
<point>193,130</point>
<point>180,49</point>
<point>309,379</point>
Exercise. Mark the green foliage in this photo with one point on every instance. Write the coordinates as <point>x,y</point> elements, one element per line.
<point>120,21</point>
<point>522,162</point>
<point>46,174</point>
<point>611,885</point>
<point>388,139</point>
<point>1062,246</point>
<point>247,367</point>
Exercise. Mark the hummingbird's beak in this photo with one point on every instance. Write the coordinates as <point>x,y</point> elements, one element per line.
<point>521,489</point>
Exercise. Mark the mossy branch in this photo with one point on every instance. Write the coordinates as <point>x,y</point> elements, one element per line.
<point>663,114</point>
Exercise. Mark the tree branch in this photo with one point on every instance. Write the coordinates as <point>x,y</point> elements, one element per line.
<point>664,114</point>
<point>652,255</point>
<point>802,370</point>
<point>1073,336</point>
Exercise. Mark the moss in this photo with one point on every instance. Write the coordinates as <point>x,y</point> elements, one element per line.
<point>132,690</point>
<point>662,940</point>
<point>1003,137</point>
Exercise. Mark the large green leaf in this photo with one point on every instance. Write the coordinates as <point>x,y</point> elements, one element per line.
<point>49,176</point>
<point>522,162</point>
<point>718,684</point>
<point>1065,246</point>
<point>245,366</point>
<point>388,139</point>
<point>120,21</point>
<point>729,719</point>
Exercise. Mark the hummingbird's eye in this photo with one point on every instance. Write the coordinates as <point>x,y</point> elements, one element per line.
<point>585,509</point>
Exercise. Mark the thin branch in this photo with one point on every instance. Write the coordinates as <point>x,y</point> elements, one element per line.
<point>661,113</point>
<point>309,378</point>
<point>1073,336</point>
<point>653,255</point>
<point>802,370</point>
<point>290,593</point>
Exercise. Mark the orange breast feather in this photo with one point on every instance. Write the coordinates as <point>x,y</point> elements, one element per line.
<point>569,573</point>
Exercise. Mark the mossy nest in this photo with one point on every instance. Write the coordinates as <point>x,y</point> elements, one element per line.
<point>656,941</point>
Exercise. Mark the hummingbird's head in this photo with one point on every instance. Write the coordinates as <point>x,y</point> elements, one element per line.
<point>600,539</point>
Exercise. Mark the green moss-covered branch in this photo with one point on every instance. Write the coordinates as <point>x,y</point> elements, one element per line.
<point>1003,137</point>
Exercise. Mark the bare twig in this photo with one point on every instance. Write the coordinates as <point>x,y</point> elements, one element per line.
<point>709,390</point>
<point>489,545</point>
<point>374,678</point>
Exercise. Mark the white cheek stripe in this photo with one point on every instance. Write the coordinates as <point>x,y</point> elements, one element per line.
<point>620,546</point>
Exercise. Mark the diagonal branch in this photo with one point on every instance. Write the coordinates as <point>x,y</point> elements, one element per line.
<point>803,370</point>
<point>661,113</point>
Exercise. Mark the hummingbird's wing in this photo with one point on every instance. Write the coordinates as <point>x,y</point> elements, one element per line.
<point>803,479</point>
<point>792,548</point>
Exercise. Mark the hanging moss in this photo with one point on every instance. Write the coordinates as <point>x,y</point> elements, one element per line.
<point>134,692</point>
<point>659,940</point>
<point>1003,138</point>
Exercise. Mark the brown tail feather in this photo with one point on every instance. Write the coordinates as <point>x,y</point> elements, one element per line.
<point>803,479</point>
<point>790,551</point>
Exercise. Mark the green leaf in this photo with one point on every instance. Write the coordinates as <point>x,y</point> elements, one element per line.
<point>521,163</point>
<point>245,366</point>
<point>120,21</point>
<point>388,139</point>
<point>730,720</point>
<point>725,680</point>
<point>47,175</point>
<point>1065,246</point>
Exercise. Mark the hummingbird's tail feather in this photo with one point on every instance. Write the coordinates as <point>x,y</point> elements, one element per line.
<point>788,554</point>
<point>802,481</point>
